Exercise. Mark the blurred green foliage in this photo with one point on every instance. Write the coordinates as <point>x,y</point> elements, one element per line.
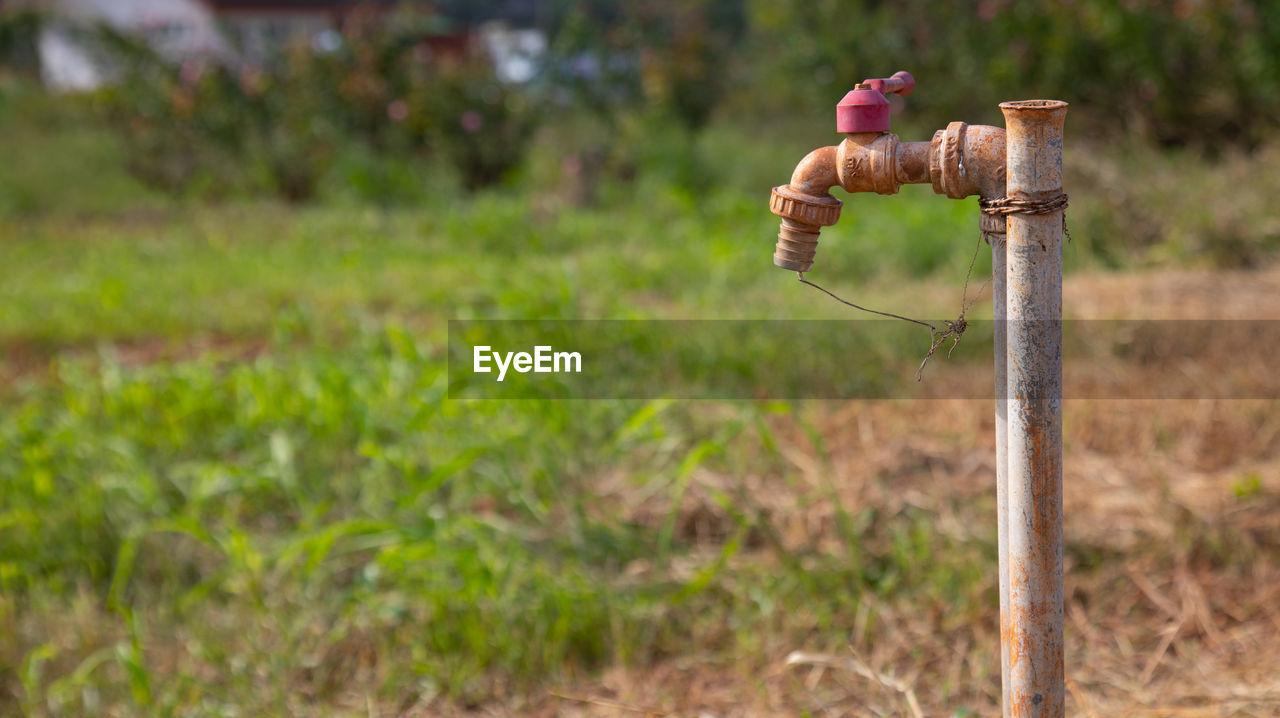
<point>1174,72</point>
<point>1204,74</point>
<point>669,56</point>
<point>484,126</point>
<point>19,28</point>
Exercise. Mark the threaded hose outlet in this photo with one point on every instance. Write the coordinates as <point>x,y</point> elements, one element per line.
<point>797,245</point>
<point>803,217</point>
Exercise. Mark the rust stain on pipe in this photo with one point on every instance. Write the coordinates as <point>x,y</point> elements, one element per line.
<point>913,162</point>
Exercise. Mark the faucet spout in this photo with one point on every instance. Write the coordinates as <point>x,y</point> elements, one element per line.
<point>864,162</point>
<point>806,206</point>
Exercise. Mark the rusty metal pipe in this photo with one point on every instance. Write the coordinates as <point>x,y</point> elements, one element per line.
<point>1019,166</point>
<point>913,162</point>
<point>1033,629</point>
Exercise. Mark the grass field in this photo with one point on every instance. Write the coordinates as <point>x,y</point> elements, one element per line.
<point>233,485</point>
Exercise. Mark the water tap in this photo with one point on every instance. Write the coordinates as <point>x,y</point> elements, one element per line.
<point>959,161</point>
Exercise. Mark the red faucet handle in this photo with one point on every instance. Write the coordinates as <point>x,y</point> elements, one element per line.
<point>865,109</point>
<point>900,83</point>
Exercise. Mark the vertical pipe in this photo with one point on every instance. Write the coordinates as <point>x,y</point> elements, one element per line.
<point>1002,450</point>
<point>1034,412</point>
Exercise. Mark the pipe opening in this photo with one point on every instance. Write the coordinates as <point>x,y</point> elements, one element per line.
<point>1033,105</point>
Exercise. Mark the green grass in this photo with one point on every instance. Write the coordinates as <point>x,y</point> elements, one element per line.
<point>232,270</point>
<point>269,510</point>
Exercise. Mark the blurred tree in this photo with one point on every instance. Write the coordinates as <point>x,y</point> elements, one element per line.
<point>19,28</point>
<point>650,73</point>
<point>686,51</point>
<point>670,56</point>
<point>484,125</point>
